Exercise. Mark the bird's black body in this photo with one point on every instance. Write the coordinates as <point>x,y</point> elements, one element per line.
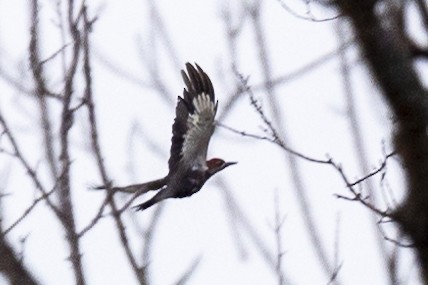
<point>191,133</point>
<point>184,186</point>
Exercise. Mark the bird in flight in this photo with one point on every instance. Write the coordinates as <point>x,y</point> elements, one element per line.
<point>193,127</point>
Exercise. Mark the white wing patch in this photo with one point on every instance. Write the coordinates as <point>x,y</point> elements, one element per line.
<point>200,128</point>
<point>203,103</point>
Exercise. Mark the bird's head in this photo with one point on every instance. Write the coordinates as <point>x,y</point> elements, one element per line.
<point>216,164</point>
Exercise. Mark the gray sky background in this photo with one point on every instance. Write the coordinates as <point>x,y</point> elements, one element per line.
<point>312,108</point>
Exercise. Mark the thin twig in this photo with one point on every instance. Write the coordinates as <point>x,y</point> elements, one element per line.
<point>28,211</point>
<point>95,219</point>
<point>255,11</point>
<point>273,133</point>
<point>189,272</point>
<point>279,222</point>
<point>149,233</point>
<point>374,172</point>
<point>17,153</point>
<point>337,264</point>
<point>55,54</point>
<point>251,231</point>
<point>274,138</point>
<point>311,18</point>
<point>356,194</point>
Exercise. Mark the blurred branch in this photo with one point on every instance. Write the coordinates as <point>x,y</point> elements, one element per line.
<point>279,222</point>
<point>357,196</point>
<point>159,28</point>
<point>12,267</point>
<point>271,137</point>
<point>274,138</point>
<point>151,63</point>
<point>150,57</point>
<point>17,153</point>
<point>311,66</point>
<point>189,272</point>
<point>374,172</point>
<point>246,226</point>
<point>284,79</point>
<point>139,272</point>
<point>119,70</point>
<point>27,211</point>
<point>396,241</point>
<point>389,57</point>
<point>255,11</point>
<point>393,266</point>
<point>137,135</point>
<point>232,33</point>
<point>150,231</point>
<point>352,112</point>
<point>98,216</point>
<point>306,18</point>
<point>234,220</point>
<point>38,62</point>
<point>233,30</point>
<point>38,74</point>
<point>66,123</point>
<point>16,83</point>
<point>337,264</point>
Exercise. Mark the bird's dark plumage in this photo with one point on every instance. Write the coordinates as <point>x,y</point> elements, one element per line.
<point>191,132</point>
<point>197,82</point>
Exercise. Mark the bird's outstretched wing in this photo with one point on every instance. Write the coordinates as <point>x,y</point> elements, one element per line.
<point>194,121</point>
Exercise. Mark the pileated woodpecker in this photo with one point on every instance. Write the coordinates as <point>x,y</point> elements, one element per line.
<point>191,133</point>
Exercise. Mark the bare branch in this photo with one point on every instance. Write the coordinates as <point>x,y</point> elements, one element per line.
<point>60,51</point>
<point>279,222</point>
<point>17,153</point>
<point>139,272</point>
<point>41,91</point>
<point>312,228</point>
<point>95,219</point>
<point>246,226</point>
<point>306,18</point>
<point>189,272</point>
<point>274,138</point>
<point>12,267</point>
<point>66,123</point>
<point>337,264</point>
<point>28,211</point>
<point>356,194</point>
<point>151,229</point>
<point>401,84</point>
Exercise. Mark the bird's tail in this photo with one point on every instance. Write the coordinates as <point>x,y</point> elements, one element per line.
<point>160,196</point>
<point>138,188</point>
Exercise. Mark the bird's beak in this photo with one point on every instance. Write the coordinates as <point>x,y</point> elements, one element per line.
<point>223,166</point>
<point>226,164</point>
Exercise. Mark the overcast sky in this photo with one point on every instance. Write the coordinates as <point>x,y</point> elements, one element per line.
<point>310,111</point>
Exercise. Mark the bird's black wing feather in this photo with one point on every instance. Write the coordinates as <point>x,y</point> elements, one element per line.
<point>197,82</point>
